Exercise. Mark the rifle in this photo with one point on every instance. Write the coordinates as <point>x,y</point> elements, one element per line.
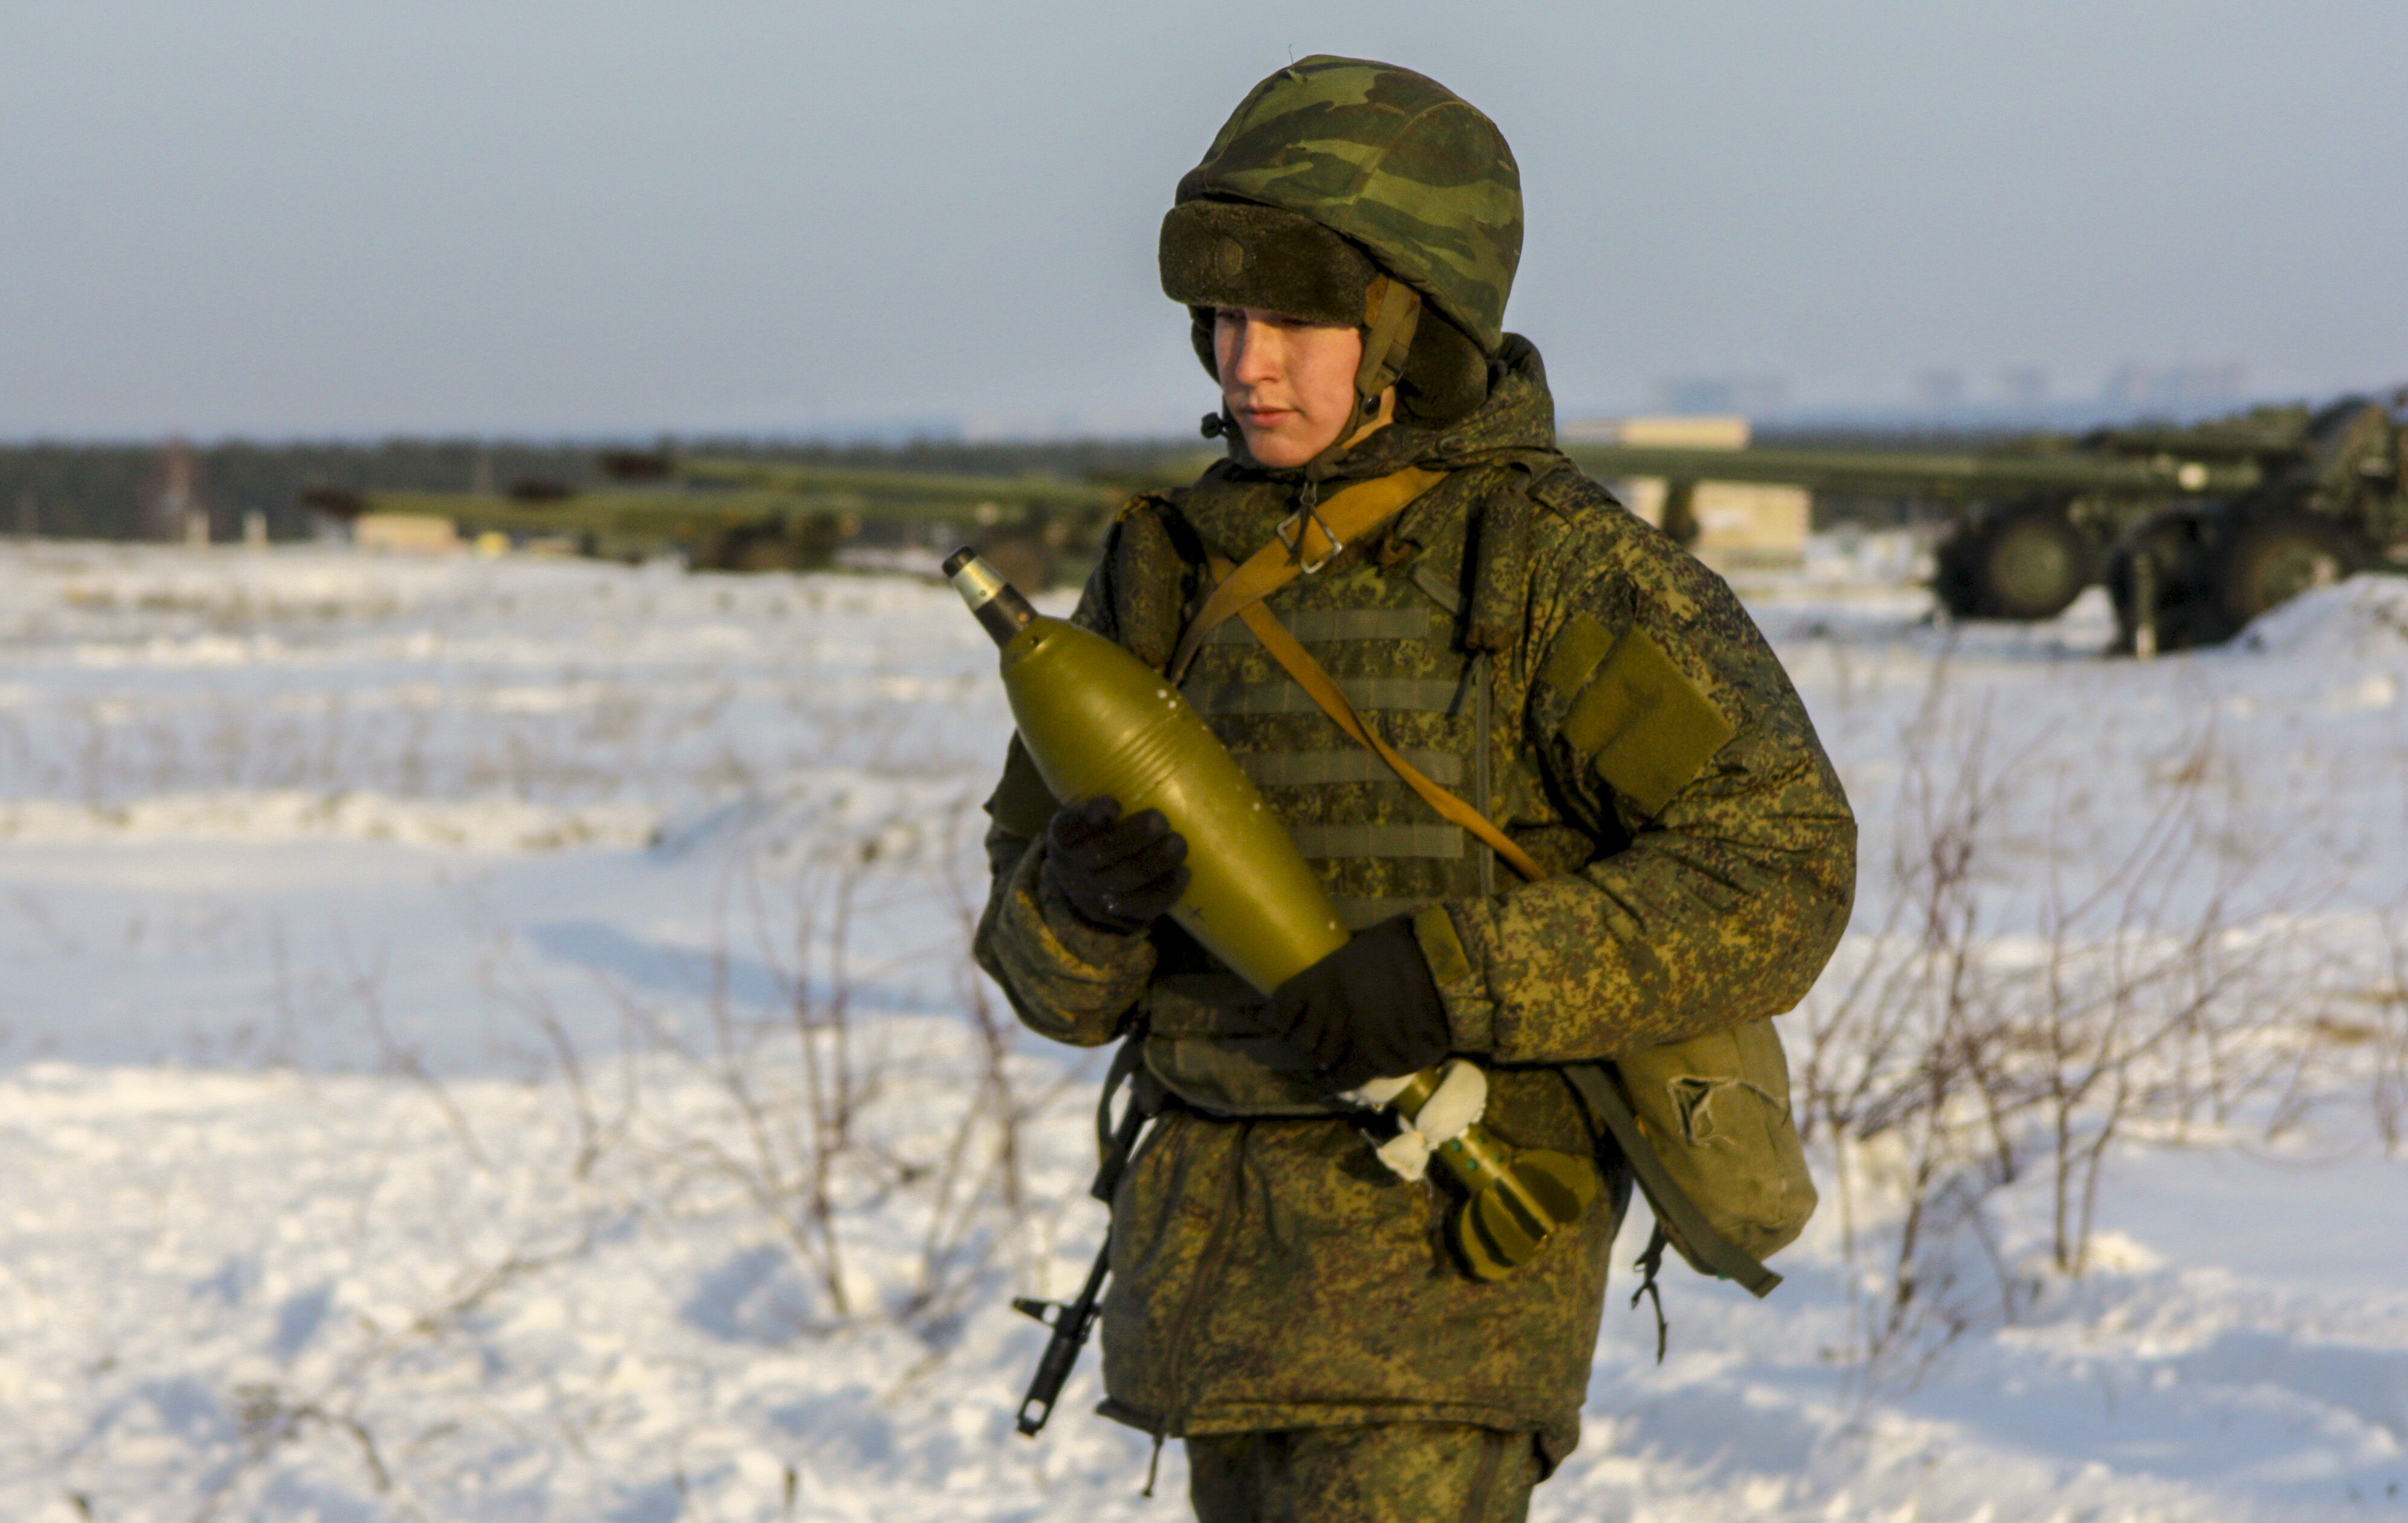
<point>1072,1320</point>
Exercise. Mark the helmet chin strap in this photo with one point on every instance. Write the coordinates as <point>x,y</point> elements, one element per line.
<point>1391,312</point>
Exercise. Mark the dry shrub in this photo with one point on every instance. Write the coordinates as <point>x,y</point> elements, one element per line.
<point>1994,1029</point>
<point>835,1123</point>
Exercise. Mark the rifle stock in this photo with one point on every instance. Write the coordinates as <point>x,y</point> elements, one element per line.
<point>1071,1322</point>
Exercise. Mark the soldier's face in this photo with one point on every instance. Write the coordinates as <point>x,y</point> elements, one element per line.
<point>1288,382</point>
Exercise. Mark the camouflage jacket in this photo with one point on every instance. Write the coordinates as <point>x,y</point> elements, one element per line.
<point>1599,695</point>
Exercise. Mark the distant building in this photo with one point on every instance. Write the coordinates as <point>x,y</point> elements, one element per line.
<point>1737,524</point>
<point>176,510</point>
<point>415,533</point>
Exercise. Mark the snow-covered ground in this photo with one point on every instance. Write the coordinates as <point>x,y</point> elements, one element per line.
<point>491,1040</point>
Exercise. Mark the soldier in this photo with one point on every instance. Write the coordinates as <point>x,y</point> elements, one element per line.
<point>1281,1300</point>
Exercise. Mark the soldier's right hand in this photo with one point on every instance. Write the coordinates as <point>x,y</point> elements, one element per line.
<point>1118,871</point>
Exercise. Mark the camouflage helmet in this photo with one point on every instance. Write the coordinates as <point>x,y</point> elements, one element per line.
<point>1392,161</point>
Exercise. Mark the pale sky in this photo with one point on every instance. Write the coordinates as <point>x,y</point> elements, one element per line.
<point>514,216</point>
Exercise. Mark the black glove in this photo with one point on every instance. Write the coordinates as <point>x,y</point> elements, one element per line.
<point>1118,873</point>
<point>1369,1010</point>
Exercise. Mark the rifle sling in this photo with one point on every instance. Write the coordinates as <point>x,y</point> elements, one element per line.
<point>1116,1141</point>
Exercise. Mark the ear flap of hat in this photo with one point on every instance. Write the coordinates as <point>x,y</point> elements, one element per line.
<point>1235,254</point>
<point>1445,375</point>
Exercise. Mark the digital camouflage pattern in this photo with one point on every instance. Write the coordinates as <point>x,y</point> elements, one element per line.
<point>1394,161</point>
<point>1392,1471</point>
<point>1269,1272</point>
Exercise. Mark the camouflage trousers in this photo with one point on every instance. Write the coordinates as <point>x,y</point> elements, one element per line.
<point>1395,1473</point>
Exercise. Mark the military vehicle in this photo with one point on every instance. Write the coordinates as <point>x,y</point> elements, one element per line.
<point>2196,530</point>
<point>747,515</point>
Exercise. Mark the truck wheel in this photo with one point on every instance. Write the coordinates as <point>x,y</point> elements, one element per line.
<point>717,551</point>
<point>812,542</point>
<point>2026,561</point>
<point>2274,559</point>
<point>756,549</point>
<point>806,544</point>
<point>2182,609</point>
<point>769,553</point>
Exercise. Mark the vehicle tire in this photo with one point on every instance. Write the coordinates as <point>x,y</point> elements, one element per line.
<point>2026,561</point>
<point>715,552</point>
<point>812,541</point>
<point>759,550</point>
<point>2180,544</point>
<point>806,544</point>
<point>2273,559</point>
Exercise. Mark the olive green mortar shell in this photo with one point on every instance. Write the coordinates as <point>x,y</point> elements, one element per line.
<point>1098,722</point>
<point>1518,1196</point>
<point>1509,1218</point>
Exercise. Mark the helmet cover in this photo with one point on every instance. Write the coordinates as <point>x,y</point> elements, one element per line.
<point>1390,160</point>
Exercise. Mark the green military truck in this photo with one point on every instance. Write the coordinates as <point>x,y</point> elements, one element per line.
<point>755,515</point>
<point>2196,530</point>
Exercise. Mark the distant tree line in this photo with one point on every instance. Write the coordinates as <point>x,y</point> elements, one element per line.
<point>112,491</point>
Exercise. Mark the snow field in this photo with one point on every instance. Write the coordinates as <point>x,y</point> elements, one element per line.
<point>491,1040</point>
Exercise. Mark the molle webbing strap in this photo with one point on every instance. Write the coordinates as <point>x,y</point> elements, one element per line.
<point>1326,626</point>
<point>1362,915</point>
<point>1317,768</point>
<point>1290,653</point>
<point>1410,695</point>
<point>1306,538</point>
<point>1322,843</point>
<point>1670,1204</point>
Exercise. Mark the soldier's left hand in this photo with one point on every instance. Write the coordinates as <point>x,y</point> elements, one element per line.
<point>1369,1010</point>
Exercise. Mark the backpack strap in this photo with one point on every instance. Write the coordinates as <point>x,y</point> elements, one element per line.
<point>1673,1206</point>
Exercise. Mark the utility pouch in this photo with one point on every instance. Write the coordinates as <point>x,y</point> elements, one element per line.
<point>1707,1126</point>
